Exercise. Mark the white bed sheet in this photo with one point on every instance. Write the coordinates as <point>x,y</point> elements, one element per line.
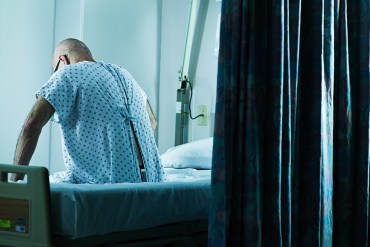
<point>85,210</point>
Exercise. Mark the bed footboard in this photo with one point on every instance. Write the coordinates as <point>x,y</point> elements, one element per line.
<point>25,207</point>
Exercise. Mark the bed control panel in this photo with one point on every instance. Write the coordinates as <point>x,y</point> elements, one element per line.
<point>14,215</point>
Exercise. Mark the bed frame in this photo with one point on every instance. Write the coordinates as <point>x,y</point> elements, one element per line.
<point>25,219</point>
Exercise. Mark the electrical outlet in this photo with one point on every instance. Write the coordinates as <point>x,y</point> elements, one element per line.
<point>202,109</point>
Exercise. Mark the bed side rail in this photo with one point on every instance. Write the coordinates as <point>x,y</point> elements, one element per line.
<point>25,207</point>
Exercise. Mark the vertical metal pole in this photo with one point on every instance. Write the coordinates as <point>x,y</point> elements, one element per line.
<point>197,17</point>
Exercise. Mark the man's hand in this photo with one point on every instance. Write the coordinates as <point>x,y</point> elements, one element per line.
<point>153,120</point>
<point>17,176</point>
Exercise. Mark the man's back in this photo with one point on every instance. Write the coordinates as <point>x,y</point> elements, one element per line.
<point>95,105</point>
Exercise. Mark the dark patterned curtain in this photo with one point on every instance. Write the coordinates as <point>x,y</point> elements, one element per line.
<point>291,141</point>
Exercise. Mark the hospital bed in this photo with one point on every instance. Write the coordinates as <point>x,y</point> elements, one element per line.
<point>172,213</point>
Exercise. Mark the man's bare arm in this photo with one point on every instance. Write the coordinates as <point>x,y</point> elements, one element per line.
<point>39,115</point>
<point>153,120</point>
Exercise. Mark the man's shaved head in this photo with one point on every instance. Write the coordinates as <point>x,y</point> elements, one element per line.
<point>75,49</point>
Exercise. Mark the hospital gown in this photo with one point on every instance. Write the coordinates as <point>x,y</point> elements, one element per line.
<point>94,104</point>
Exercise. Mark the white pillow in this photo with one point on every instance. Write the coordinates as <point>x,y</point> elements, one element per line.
<point>197,154</point>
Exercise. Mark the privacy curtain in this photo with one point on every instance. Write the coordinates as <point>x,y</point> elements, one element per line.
<point>291,140</point>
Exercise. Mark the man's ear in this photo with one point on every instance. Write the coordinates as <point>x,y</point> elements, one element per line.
<point>65,59</point>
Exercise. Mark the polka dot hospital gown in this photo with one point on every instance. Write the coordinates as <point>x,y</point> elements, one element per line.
<point>94,103</point>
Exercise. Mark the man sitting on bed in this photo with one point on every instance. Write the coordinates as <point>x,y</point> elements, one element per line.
<point>105,119</point>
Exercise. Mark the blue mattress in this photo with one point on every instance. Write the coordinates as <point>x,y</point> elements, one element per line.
<point>85,210</point>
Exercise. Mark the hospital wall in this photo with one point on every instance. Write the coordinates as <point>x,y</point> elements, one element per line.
<point>26,44</point>
<point>147,37</point>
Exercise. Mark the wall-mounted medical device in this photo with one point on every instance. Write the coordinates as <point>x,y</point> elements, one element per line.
<point>182,114</point>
